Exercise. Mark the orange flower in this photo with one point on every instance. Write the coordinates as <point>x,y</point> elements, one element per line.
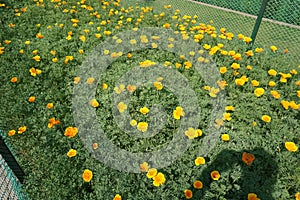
<point>39,35</point>
<point>131,88</point>
<point>11,133</point>
<point>188,194</point>
<point>144,167</point>
<point>34,72</point>
<point>71,153</point>
<point>71,132</point>
<point>151,172</point>
<point>76,79</point>
<point>14,79</point>
<point>266,118</point>
<point>159,179</point>
<point>248,158</point>
<point>291,146</point>
<point>31,99</point>
<point>49,105</point>
<point>87,175</point>
<point>215,175</point>
<point>94,103</point>
<point>90,80</point>
<point>95,146</point>
<point>198,184</point>
<point>53,122</point>
<point>117,197</point>
<point>297,195</point>
<point>252,196</point>
<point>22,129</point>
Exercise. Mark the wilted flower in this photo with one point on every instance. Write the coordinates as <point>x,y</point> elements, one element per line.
<point>248,158</point>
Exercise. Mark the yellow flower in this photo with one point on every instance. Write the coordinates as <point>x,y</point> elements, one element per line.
<point>117,197</point>
<point>71,132</point>
<point>187,65</point>
<point>199,161</point>
<point>151,172</point>
<point>37,58</point>
<point>34,71</point>
<point>71,153</point>
<point>31,99</point>
<point>191,133</point>
<point>142,126</point>
<point>255,83</point>
<point>122,107</point>
<point>215,175</point>
<point>213,92</point>
<point>198,133</point>
<point>252,196</point>
<point>76,79</point>
<point>22,129</point>
<point>259,92</point>
<point>247,40</point>
<point>249,53</point>
<point>273,48</point>
<point>87,175</point>
<point>82,38</point>
<point>147,63</point>
<point>227,116</point>
<point>223,70</point>
<point>90,80</point>
<point>94,103</point>
<point>159,179</point>
<point>158,85</point>
<point>229,108</point>
<point>104,86</point>
<point>266,118</point>
<point>272,72</point>
<point>222,84</point>
<point>178,112</point>
<point>235,66</point>
<point>133,122</point>
<point>272,83</point>
<point>225,137</point>
<point>11,133</point>
<point>285,104</point>
<point>259,50</point>
<point>297,195</point>
<point>239,82</point>
<point>144,110</point>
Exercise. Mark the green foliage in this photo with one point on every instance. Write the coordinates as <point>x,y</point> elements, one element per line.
<point>42,151</point>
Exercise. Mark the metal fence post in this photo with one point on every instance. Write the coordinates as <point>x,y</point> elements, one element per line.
<point>258,21</point>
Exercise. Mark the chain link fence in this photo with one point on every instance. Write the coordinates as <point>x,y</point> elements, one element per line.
<point>10,185</point>
<point>280,25</point>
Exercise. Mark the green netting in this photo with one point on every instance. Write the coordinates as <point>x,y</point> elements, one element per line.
<point>279,26</point>
<point>10,187</point>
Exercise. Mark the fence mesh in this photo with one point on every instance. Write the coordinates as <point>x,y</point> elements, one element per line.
<point>280,25</point>
<point>10,187</point>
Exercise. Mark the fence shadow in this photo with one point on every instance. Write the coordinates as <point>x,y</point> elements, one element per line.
<point>257,178</point>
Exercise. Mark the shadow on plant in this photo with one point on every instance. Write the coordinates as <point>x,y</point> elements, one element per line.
<point>237,178</point>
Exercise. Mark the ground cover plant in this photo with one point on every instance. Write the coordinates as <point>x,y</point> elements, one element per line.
<point>45,44</point>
